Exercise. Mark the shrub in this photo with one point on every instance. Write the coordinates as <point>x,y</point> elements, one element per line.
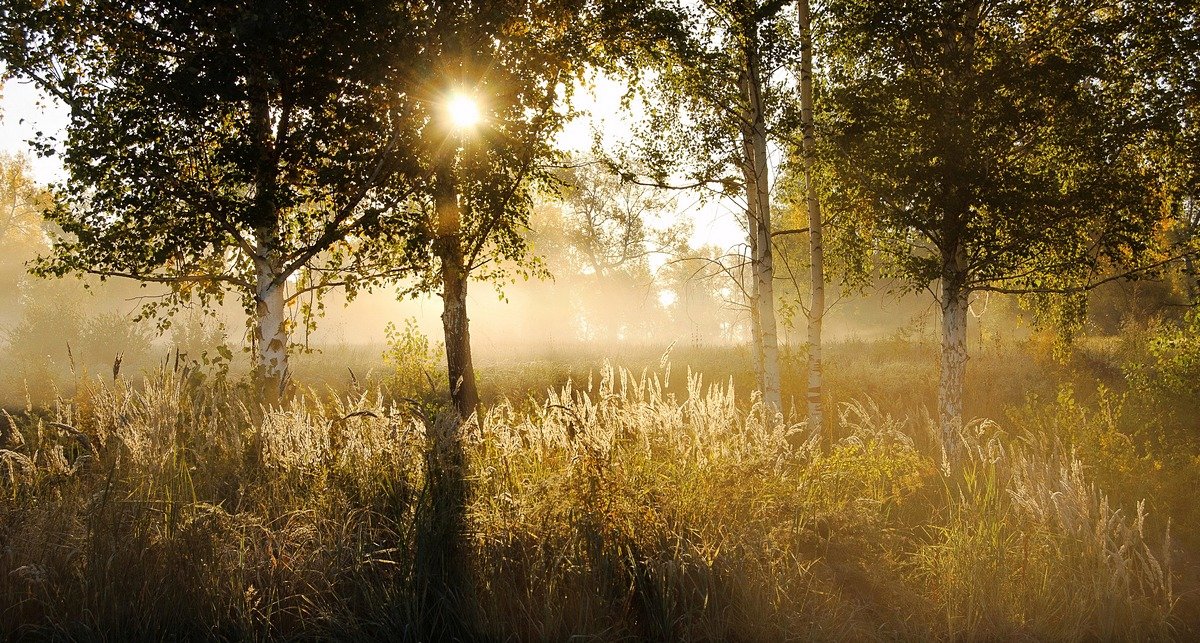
<point>414,365</point>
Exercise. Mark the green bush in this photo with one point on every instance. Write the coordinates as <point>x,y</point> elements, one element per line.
<point>415,369</point>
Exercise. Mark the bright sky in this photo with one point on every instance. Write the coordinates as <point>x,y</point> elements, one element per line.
<point>715,223</point>
<point>24,112</point>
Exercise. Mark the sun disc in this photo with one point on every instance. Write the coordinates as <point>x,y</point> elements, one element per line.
<point>464,111</point>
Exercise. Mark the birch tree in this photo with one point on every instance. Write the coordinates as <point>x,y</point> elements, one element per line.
<point>515,63</point>
<point>816,247</point>
<point>221,146</point>
<point>713,102</point>
<point>991,146</point>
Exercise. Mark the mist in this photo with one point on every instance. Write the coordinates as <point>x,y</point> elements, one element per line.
<point>540,320</point>
<point>645,303</point>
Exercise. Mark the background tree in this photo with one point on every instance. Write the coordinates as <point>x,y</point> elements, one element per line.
<point>605,247</point>
<point>22,232</point>
<point>218,146</point>
<point>714,104</point>
<point>611,222</point>
<point>990,146</point>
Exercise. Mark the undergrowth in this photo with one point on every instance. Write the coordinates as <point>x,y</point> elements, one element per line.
<point>611,509</point>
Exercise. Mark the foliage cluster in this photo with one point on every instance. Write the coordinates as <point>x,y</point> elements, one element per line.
<point>413,365</point>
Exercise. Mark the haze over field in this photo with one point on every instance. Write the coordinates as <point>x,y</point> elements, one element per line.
<point>592,319</point>
<point>567,309</point>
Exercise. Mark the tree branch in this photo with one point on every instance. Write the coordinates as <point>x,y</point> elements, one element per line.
<point>1092,285</point>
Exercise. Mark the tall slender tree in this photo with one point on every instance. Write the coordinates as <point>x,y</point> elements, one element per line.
<point>492,87</point>
<point>714,103</point>
<point>816,231</point>
<point>506,64</point>
<point>517,64</point>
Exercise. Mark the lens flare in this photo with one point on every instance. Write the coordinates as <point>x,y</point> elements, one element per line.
<point>464,111</point>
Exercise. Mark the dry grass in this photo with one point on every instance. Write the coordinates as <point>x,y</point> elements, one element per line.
<point>625,507</point>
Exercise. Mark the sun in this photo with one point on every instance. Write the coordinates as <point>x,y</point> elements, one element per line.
<point>463,111</point>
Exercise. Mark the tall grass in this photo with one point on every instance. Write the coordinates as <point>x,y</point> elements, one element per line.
<point>616,508</point>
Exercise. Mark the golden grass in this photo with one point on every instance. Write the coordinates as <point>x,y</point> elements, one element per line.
<point>613,509</point>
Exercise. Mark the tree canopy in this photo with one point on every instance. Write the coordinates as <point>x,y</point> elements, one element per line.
<point>223,146</point>
<point>991,146</point>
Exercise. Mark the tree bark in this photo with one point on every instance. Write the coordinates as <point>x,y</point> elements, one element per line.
<point>954,356</point>
<point>455,324</point>
<point>1188,236</point>
<point>270,321</point>
<point>816,248</point>
<point>271,324</point>
<point>1192,281</point>
<point>756,342</point>
<point>758,196</point>
<point>440,571</point>
<point>956,214</point>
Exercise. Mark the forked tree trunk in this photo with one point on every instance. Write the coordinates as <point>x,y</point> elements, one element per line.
<point>758,196</point>
<point>954,358</point>
<point>816,247</point>
<point>455,324</point>
<point>270,322</point>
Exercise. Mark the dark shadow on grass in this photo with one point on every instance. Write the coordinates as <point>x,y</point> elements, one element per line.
<point>445,607</point>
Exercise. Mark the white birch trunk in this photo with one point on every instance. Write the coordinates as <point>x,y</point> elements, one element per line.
<point>270,328</point>
<point>464,391</point>
<point>751,191</point>
<point>756,343</point>
<point>764,272</point>
<point>758,197</point>
<point>816,247</point>
<point>954,367</point>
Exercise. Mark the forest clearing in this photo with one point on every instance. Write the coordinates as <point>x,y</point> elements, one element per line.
<point>599,320</point>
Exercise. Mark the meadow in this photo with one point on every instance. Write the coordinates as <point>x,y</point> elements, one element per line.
<point>642,497</point>
<point>701,321</point>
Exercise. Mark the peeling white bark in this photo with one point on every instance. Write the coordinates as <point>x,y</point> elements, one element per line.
<point>270,325</point>
<point>764,273</point>
<point>756,174</point>
<point>464,391</point>
<point>756,343</point>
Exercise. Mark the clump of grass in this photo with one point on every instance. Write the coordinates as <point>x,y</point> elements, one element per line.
<point>1031,547</point>
<point>623,507</point>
